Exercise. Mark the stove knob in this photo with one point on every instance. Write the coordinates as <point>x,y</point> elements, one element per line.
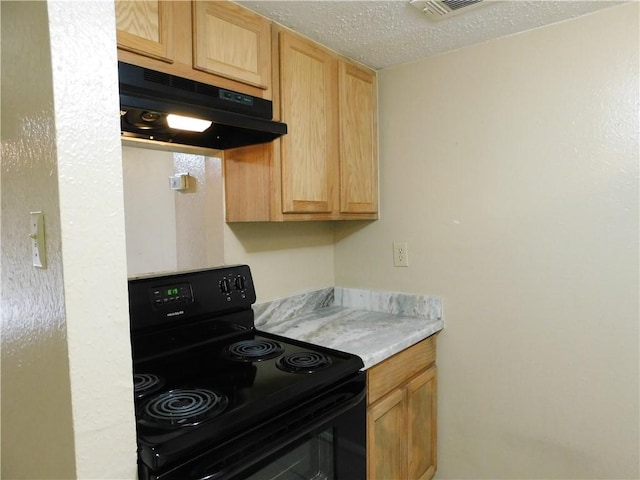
<point>240,283</point>
<point>225,286</point>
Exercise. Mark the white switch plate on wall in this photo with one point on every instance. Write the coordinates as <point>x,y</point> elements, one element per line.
<point>36,235</point>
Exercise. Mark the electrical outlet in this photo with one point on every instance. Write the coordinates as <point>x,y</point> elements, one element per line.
<point>400,254</point>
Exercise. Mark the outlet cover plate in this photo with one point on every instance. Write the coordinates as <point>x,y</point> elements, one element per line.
<point>400,254</point>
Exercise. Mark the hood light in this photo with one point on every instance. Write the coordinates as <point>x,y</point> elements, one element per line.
<point>188,123</point>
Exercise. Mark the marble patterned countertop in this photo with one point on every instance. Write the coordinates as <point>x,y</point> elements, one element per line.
<point>373,325</point>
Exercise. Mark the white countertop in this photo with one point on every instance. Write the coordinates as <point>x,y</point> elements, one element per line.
<point>373,336</point>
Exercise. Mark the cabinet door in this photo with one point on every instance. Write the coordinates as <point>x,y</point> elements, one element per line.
<point>231,41</point>
<point>146,28</point>
<point>308,96</point>
<point>421,407</point>
<point>387,437</point>
<point>358,140</point>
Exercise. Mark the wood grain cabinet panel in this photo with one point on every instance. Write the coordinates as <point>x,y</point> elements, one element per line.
<point>422,424</point>
<point>146,28</point>
<point>387,446</point>
<point>215,42</point>
<point>401,415</point>
<point>358,140</point>
<point>326,166</point>
<point>308,107</point>
<point>231,41</point>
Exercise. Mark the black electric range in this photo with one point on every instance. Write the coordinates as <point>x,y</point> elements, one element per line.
<point>217,399</point>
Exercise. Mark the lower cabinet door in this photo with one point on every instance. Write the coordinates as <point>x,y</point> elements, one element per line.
<point>401,431</point>
<point>421,408</point>
<point>386,437</point>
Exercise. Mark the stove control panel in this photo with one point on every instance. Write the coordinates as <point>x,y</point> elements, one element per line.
<point>189,296</point>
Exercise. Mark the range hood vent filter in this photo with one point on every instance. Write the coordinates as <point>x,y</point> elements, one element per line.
<point>439,9</point>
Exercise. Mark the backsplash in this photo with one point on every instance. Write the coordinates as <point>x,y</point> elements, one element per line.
<point>396,303</point>
<point>294,306</point>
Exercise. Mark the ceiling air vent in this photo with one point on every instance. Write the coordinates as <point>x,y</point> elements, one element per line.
<point>439,9</point>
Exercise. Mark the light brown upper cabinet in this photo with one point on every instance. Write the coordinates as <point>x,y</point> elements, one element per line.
<point>325,167</point>
<point>231,41</point>
<point>358,140</point>
<point>308,99</point>
<point>146,28</point>
<point>216,42</point>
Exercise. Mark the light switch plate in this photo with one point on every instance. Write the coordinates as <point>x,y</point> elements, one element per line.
<point>36,237</point>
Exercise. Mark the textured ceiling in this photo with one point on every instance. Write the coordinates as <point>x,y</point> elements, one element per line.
<point>385,33</point>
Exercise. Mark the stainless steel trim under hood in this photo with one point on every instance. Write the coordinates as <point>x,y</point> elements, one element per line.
<point>147,96</point>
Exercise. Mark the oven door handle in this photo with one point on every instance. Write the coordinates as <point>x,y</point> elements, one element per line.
<point>295,425</point>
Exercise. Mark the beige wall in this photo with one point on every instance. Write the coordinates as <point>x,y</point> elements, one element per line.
<point>36,391</point>
<point>511,170</point>
<point>189,232</point>
<point>514,184</point>
<point>284,258</point>
<point>66,371</point>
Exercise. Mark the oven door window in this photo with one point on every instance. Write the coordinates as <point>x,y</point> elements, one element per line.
<point>312,460</point>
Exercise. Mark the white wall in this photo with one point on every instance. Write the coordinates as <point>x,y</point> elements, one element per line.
<point>93,244</point>
<point>200,212</point>
<point>511,170</point>
<point>150,211</point>
<point>170,230</point>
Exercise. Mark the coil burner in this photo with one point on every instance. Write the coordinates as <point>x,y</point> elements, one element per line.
<point>303,362</point>
<point>144,384</point>
<point>254,350</point>
<point>180,407</point>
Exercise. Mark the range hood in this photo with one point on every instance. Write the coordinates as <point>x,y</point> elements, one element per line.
<point>148,97</point>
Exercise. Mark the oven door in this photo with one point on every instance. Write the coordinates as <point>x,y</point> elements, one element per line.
<point>336,451</point>
<point>324,438</point>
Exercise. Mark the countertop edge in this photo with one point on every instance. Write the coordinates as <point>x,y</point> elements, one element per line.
<point>372,359</point>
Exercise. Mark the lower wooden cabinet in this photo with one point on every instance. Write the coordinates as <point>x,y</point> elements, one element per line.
<point>401,415</point>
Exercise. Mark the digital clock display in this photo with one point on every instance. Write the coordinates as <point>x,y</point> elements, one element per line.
<point>168,295</point>
<point>173,291</point>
